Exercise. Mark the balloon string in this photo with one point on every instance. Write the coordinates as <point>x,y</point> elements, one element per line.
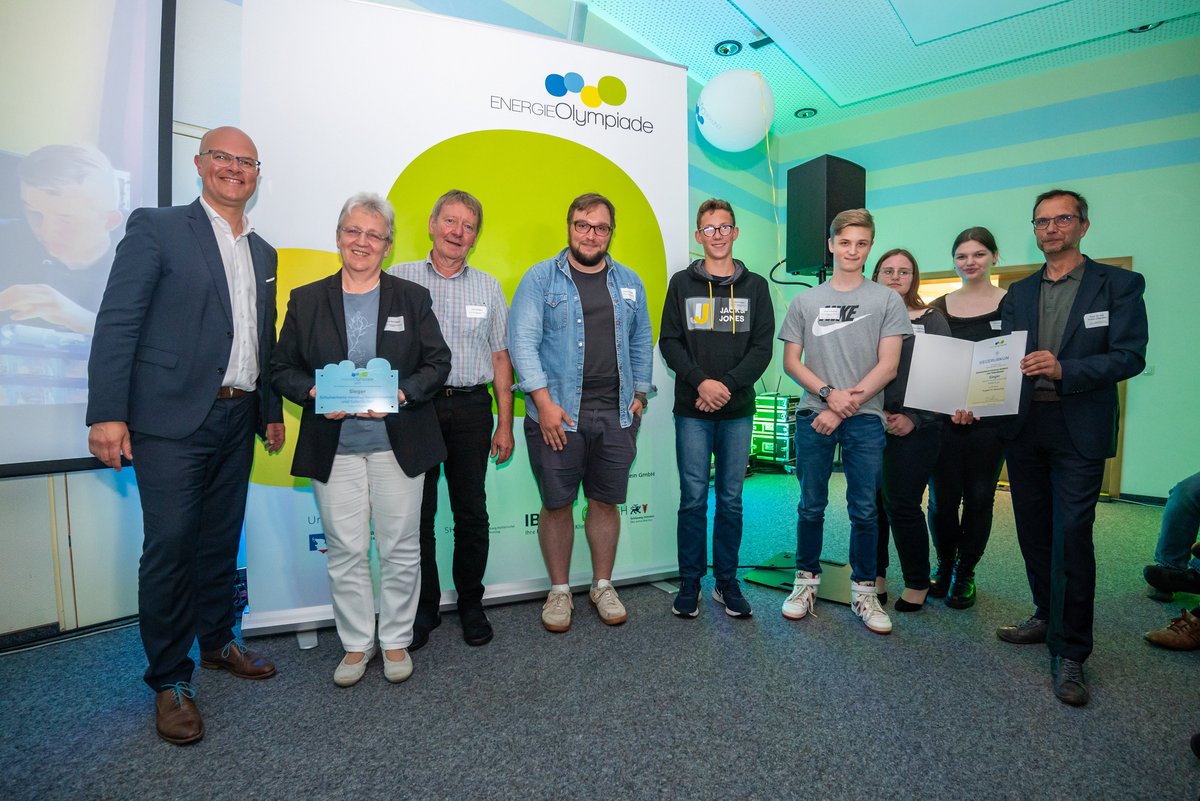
<point>762,96</point>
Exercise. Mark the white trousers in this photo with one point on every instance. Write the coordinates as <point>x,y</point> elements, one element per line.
<point>363,488</point>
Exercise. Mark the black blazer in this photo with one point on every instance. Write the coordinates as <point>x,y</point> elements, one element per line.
<point>165,326</point>
<point>314,335</point>
<point>1094,354</point>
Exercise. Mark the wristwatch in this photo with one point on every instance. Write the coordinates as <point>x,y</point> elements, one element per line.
<point>823,393</point>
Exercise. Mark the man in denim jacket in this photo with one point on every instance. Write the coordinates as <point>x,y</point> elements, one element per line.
<point>579,335</point>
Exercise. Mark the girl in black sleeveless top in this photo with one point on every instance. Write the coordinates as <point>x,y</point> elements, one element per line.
<point>972,453</point>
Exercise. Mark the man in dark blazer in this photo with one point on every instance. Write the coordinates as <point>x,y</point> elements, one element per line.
<point>1087,330</point>
<point>178,385</point>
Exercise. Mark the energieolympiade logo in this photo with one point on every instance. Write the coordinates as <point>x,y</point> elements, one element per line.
<point>608,91</point>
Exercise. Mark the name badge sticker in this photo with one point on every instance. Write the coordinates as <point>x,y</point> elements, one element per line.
<point>394,324</point>
<point>829,314</point>
<point>918,328</point>
<point>629,293</point>
<point>995,325</point>
<point>1096,320</point>
<point>476,312</point>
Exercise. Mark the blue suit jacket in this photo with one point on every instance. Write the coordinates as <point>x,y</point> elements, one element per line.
<point>165,327</point>
<point>1093,358</point>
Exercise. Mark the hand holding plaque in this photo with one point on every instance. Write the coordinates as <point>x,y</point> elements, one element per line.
<point>343,387</point>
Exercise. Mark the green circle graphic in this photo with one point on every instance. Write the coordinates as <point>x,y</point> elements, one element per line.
<point>612,90</point>
<point>526,181</point>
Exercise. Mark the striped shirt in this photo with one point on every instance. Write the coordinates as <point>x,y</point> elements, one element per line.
<point>473,315</point>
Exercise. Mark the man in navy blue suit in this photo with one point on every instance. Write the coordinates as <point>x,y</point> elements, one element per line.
<point>1087,331</point>
<point>177,385</point>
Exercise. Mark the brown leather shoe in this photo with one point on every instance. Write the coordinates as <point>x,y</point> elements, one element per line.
<point>175,714</point>
<point>238,660</point>
<point>1182,634</point>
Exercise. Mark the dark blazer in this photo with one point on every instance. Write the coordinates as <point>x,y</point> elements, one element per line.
<point>314,335</point>
<point>165,326</point>
<point>1093,358</point>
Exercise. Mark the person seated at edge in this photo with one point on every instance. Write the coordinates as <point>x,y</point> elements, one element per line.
<point>1172,571</point>
<point>972,453</point>
<point>914,439</point>
<point>370,467</point>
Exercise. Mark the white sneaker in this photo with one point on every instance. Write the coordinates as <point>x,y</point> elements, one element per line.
<point>556,612</point>
<point>608,605</point>
<point>865,604</point>
<point>804,593</point>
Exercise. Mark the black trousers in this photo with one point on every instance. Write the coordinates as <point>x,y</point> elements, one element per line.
<point>967,468</point>
<point>467,424</point>
<point>193,495</point>
<point>1054,493</point>
<point>907,464</point>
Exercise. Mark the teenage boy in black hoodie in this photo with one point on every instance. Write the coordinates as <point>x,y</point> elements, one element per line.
<point>716,334</point>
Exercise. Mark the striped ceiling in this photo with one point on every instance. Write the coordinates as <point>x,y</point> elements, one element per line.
<point>848,58</point>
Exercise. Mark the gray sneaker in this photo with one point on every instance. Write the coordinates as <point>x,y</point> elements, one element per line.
<point>556,612</point>
<point>608,605</point>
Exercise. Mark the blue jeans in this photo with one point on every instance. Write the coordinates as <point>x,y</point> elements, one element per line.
<point>696,443</point>
<point>1180,525</point>
<point>862,440</point>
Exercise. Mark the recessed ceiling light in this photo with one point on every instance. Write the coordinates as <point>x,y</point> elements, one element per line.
<point>1144,28</point>
<point>805,113</point>
<point>729,47</point>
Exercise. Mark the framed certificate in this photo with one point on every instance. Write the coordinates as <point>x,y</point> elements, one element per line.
<point>983,377</point>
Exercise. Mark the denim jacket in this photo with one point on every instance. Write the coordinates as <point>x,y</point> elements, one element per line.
<point>545,335</point>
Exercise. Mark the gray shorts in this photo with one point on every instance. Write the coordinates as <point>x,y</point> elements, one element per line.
<point>598,455</point>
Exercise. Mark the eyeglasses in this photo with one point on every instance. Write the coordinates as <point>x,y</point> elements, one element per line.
<point>227,159</point>
<point>581,227</point>
<point>1061,221</point>
<point>902,272</point>
<point>355,233</point>
<point>711,230</point>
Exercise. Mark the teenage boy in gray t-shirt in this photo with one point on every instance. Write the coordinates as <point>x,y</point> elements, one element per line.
<point>848,331</point>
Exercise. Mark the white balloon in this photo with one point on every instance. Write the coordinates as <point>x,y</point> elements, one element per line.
<point>735,110</point>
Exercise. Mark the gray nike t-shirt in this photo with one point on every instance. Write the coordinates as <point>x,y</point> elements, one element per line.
<point>840,333</point>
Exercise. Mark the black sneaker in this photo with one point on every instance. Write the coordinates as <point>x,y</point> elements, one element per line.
<point>730,594</point>
<point>687,600</point>
<point>477,629</point>
<point>1170,579</point>
<point>423,625</point>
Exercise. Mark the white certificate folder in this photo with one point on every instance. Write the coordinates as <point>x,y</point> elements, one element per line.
<point>949,374</point>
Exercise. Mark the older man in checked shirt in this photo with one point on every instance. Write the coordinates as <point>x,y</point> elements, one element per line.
<point>473,314</point>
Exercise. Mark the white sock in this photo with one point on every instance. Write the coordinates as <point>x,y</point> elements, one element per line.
<point>561,588</point>
<point>600,584</point>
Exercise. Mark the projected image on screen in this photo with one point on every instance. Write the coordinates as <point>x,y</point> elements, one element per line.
<point>54,262</point>
<point>78,151</point>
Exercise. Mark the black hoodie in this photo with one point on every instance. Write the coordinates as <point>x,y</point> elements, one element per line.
<point>719,327</point>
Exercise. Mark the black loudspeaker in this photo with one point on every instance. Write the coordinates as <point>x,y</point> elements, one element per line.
<point>816,191</point>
